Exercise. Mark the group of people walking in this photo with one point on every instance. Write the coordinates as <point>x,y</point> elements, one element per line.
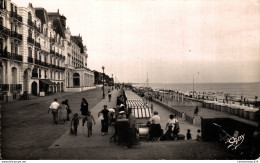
<point>156,132</point>
<point>60,112</point>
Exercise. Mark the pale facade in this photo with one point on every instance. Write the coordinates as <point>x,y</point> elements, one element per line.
<point>38,55</point>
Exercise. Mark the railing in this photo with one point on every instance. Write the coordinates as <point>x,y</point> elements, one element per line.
<point>15,87</point>
<point>52,51</point>
<point>30,59</point>
<point>38,62</point>
<point>5,54</point>
<point>52,40</point>
<point>4,87</point>
<point>4,30</point>
<point>16,35</point>
<point>38,29</point>
<point>37,44</point>
<point>30,40</point>
<point>35,75</point>
<point>16,16</point>
<point>16,57</point>
<point>57,54</point>
<point>30,23</point>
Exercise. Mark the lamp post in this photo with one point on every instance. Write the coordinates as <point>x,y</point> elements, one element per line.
<point>112,82</point>
<point>103,82</point>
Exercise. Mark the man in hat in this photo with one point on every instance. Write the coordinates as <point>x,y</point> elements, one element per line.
<point>104,121</point>
<point>122,107</point>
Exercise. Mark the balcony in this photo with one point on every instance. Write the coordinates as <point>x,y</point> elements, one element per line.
<point>38,45</point>
<point>35,75</point>
<point>4,87</point>
<point>4,30</point>
<point>38,62</point>
<point>17,57</point>
<point>52,52</point>
<point>16,16</point>
<point>57,54</point>
<point>16,35</point>
<point>5,54</point>
<point>30,40</point>
<point>60,68</point>
<point>30,23</point>
<point>52,40</point>
<point>30,59</point>
<point>15,87</point>
<point>38,29</point>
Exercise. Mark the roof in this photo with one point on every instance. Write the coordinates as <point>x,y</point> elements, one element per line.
<point>42,15</point>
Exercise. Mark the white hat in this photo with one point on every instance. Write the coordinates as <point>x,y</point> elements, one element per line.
<point>121,112</point>
<point>122,105</point>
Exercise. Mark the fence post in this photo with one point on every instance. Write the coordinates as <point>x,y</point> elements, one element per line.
<point>193,120</point>
<point>183,115</point>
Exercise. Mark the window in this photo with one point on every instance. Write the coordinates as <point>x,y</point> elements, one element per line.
<point>45,74</point>
<point>30,33</point>
<point>29,16</point>
<point>30,52</point>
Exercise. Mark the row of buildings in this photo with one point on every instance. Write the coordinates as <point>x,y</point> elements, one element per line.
<point>38,53</point>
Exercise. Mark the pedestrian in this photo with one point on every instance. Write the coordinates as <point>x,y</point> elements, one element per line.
<point>196,110</point>
<point>155,131</point>
<point>188,135</point>
<point>84,107</point>
<point>63,112</point>
<point>54,110</point>
<point>68,109</point>
<point>75,123</point>
<point>109,95</point>
<point>89,118</point>
<point>198,135</point>
<point>103,114</point>
<point>171,125</point>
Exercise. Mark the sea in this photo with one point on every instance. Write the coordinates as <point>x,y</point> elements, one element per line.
<point>247,90</point>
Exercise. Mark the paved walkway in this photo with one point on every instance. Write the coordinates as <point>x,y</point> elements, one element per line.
<point>189,106</point>
<point>96,140</point>
<point>97,147</point>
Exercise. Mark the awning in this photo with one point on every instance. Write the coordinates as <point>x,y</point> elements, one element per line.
<point>46,81</point>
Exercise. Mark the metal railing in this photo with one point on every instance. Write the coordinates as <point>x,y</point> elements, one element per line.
<point>16,16</point>
<point>37,44</point>
<point>16,35</point>
<point>30,23</point>
<point>15,87</point>
<point>30,59</point>
<point>4,30</point>
<point>30,40</point>
<point>4,87</point>
<point>35,75</point>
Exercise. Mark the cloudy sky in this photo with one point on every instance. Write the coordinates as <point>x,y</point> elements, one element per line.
<point>216,40</point>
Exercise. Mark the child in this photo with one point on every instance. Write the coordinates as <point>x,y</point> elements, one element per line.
<point>89,119</point>
<point>188,135</point>
<point>198,136</point>
<point>75,122</point>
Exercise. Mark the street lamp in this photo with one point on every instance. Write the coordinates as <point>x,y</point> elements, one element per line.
<point>112,82</point>
<point>103,82</point>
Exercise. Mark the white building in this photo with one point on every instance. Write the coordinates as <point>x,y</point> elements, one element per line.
<point>35,48</point>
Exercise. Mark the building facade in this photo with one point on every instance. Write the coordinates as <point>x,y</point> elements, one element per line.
<point>38,55</point>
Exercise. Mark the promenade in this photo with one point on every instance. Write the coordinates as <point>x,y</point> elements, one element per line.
<point>24,139</point>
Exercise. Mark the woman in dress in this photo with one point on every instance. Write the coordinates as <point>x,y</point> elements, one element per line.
<point>84,107</point>
<point>170,125</point>
<point>63,112</point>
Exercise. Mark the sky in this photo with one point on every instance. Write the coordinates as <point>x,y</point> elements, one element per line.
<point>170,40</point>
